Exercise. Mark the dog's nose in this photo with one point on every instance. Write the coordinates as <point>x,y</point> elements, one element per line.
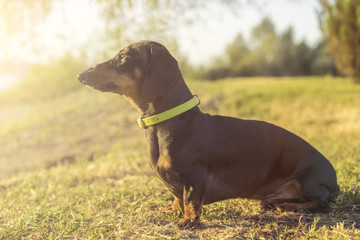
<point>82,77</point>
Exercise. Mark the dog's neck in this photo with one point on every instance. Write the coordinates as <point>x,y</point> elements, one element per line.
<point>177,95</point>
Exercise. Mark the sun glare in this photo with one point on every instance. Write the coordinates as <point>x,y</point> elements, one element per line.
<point>69,24</point>
<point>6,81</point>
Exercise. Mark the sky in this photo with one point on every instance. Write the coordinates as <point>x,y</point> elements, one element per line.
<point>199,42</point>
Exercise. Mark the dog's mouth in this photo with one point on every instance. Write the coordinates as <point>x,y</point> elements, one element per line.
<point>82,81</point>
<point>108,87</point>
<point>99,85</point>
<point>85,79</point>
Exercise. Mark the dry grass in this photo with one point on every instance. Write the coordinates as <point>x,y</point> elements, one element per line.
<point>80,184</point>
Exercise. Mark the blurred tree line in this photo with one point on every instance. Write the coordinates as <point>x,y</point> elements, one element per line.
<point>265,52</point>
<point>268,53</point>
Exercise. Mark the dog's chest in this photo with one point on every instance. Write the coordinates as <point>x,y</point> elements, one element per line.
<point>164,170</point>
<point>161,162</point>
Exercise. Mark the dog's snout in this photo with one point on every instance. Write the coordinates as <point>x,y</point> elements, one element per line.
<point>82,76</point>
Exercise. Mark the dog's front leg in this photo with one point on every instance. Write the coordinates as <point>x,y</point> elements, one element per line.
<point>193,201</point>
<point>176,206</point>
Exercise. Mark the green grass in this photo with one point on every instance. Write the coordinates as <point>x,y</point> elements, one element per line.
<point>75,166</point>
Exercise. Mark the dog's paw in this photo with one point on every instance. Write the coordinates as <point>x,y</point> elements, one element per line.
<point>170,210</point>
<point>187,224</point>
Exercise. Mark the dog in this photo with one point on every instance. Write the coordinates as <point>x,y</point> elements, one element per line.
<point>205,158</point>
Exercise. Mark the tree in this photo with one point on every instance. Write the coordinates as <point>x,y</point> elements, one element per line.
<point>237,54</point>
<point>323,63</point>
<point>303,60</point>
<point>263,45</point>
<point>340,22</point>
<point>285,54</point>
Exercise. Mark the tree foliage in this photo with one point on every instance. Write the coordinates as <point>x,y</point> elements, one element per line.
<point>268,53</point>
<point>340,21</point>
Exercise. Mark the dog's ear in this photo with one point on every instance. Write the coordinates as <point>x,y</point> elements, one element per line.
<point>162,72</point>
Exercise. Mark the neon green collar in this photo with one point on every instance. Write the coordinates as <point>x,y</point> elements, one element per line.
<point>173,112</point>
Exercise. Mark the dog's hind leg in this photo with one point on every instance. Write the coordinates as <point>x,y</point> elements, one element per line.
<point>290,197</point>
<point>304,195</point>
<point>320,186</point>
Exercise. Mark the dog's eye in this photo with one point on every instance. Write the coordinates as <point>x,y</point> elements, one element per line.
<point>118,59</point>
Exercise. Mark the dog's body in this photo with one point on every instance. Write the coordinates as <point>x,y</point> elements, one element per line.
<point>204,158</point>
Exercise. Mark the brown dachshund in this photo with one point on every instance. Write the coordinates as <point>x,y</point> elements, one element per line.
<point>204,158</point>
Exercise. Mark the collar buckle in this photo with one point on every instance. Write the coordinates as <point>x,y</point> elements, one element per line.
<point>198,98</point>
<point>141,122</point>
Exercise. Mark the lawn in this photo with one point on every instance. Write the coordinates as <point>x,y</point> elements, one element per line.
<point>75,166</point>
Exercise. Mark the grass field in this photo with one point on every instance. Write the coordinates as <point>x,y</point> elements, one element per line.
<point>75,166</point>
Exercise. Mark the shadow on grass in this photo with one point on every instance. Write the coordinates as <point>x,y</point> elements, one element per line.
<point>276,224</point>
<point>349,215</point>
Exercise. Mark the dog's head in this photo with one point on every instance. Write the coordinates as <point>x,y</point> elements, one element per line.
<point>145,68</point>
